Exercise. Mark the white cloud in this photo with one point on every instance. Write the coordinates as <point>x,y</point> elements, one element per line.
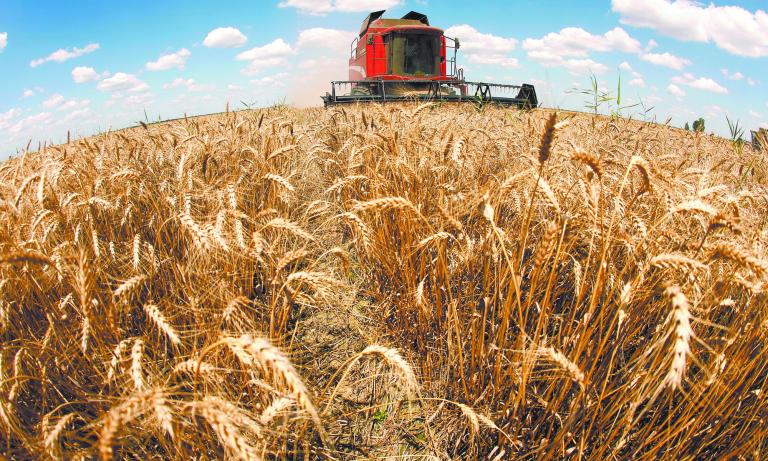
<point>27,93</point>
<point>264,57</point>
<point>482,48</point>
<point>584,66</point>
<point>319,37</point>
<point>348,6</point>
<point>666,60</point>
<point>169,61</point>
<point>577,42</point>
<point>3,40</point>
<point>179,82</point>
<point>494,60</point>
<point>738,76</point>
<point>57,101</point>
<point>713,111</point>
<point>276,49</point>
<point>78,114</point>
<point>675,91</point>
<point>755,114</point>
<point>308,64</point>
<point>122,82</point>
<point>651,45</point>
<point>553,49</point>
<point>190,84</point>
<point>137,100</point>
<point>232,87</point>
<point>129,101</point>
<point>53,101</point>
<point>625,66</point>
<point>62,54</point>
<point>732,76</point>
<point>732,28</point>
<point>7,116</point>
<point>701,83</point>
<point>473,41</point>
<point>83,74</point>
<point>74,104</point>
<point>258,65</point>
<point>277,80</point>
<point>637,81</point>
<point>32,121</point>
<point>225,37</point>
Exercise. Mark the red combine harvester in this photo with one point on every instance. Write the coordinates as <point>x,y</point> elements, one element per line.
<point>407,59</point>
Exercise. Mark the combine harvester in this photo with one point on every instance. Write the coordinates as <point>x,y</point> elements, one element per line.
<point>406,59</point>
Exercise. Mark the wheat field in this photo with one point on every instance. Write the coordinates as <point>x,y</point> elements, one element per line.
<point>385,282</point>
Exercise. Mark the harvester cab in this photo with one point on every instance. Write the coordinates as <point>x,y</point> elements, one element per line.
<point>408,59</point>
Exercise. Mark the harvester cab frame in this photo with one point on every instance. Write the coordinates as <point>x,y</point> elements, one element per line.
<point>408,59</point>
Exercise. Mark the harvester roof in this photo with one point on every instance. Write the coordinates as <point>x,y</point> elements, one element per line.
<point>412,19</point>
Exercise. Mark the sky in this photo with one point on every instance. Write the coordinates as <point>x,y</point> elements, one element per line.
<point>88,66</point>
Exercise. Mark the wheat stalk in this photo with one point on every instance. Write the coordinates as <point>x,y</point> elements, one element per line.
<point>159,320</point>
<point>137,375</point>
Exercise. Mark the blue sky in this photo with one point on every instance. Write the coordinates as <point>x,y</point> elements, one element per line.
<point>87,66</point>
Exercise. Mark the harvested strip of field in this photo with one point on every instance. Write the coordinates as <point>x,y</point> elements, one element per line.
<point>379,282</point>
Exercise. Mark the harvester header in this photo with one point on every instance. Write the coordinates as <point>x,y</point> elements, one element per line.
<point>408,59</point>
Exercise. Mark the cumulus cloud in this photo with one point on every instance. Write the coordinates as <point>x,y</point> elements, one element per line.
<point>7,116</point>
<point>30,122</point>
<point>277,80</point>
<point>570,48</point>
<point>701,83</point>
<point>264,57</point>
<point>732,28</point>
<point>59,102</point>
<point>83,74</point>
<point>637,81</point>
<point>225,37</point>
<point>583,66</point>
<point>625,66</point>
<point>332,39</point>
<point>74,104</point>
<point>169,61</point>
<point>53,101</point>
<point>62,54</point>
<point>738,76</point>
<point>732,76</point>
<point>130,101</point>
<point>276,49</point>
<point>190,84</point>
<point>28,93</point>
<point>122,82</point>
<point>79,114</point>
<point>675,91</point>
<point>666,60</point>
<point>320,7</point>
<point>713,111</point>
<point>483,48</point>
<point>3,40</point>
<point>577,42</point>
